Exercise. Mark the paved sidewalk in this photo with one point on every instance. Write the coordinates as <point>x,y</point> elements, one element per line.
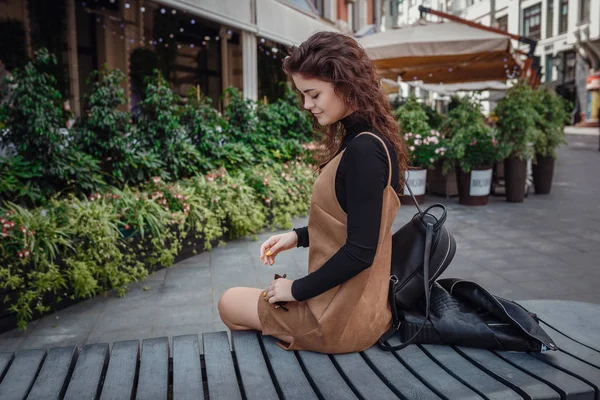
<point>545,248</point>
<point>582,130</point>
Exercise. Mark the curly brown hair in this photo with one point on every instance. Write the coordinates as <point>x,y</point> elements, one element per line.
<point>338,59</point>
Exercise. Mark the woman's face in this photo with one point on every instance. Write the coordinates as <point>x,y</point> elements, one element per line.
<point>321,100</point>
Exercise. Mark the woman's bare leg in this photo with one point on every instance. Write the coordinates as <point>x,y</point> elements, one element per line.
<point>238,310</point>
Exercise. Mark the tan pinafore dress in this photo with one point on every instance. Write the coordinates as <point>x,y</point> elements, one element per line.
<point>349,317</point>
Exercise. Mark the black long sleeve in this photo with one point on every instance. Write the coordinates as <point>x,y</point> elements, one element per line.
<point>303,239</point>
<point>360,180</point>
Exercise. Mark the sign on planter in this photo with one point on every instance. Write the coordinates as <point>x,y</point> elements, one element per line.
<point>416,179</point>
<point>480,182</point>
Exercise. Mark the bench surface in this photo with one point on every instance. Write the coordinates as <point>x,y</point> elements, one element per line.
<point>201,367</point>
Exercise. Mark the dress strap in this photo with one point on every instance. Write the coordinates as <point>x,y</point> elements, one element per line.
<point>386,152</point>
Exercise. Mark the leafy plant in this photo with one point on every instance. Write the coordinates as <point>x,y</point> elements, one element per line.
<point>17,180</point>
<point>552,117</point>
<point>424,144</point>
<point>35,121</point>
<point>102,131</point>
<point>516,124</point>
<point>160,130</point>
<point>471,142</point>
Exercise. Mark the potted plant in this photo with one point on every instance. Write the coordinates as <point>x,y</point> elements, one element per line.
<point>552,117</point>
<point>472,151</point>
<point>518,131</point>
<point>424,147</point>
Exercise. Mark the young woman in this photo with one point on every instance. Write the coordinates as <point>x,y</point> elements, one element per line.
<point>341,305</point>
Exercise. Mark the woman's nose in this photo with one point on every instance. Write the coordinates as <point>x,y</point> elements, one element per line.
<point>308,104</point>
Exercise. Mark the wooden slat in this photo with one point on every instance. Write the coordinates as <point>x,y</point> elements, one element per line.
<point>5,360</point>
<point>362,377</point>
<point>153,381</point>
<point>567,385</point>
<point>469,373</point>
<point>53,378</point>
<point>418,363</point>
<point>324,376</point>
<point>572,365</point>
<point>122,370</point>
<point>572,347</point>
<point>21,374</point>
<point>220,371</point>
<point>88,373</point>
<point>187,369</point>
<point>290,378</point>
<point>254,373</point>
<point>394,373</point>
<point>518,380</point>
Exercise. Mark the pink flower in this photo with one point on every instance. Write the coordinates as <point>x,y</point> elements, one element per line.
<point>268,201</point>
<point>494,142</point>
<point>127,226</point>
<point>156,179</point>
<point>473,143</point>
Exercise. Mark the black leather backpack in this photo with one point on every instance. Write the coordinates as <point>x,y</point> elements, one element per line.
<point>421,250</point>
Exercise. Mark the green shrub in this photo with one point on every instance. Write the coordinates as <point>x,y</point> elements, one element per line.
<point>160,131</point>
<point>471,143</point>
<point>552,117</point>
<point>77,247</point>
<point>517,121</point>
<point>35,127</point>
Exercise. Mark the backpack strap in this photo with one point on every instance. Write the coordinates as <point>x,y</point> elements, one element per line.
<point>386,152</point>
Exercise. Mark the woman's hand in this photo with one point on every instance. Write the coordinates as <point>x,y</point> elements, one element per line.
<point>279,290</point>
<point>276,244</point>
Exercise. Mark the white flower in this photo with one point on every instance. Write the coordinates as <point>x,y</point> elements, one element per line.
<point>219,129</point>
<point>412,148</point>
<point>418,136</point>
<point>431,160</point>
<point>417,142</point>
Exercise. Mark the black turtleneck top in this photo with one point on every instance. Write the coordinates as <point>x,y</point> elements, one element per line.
<point>359,183</point>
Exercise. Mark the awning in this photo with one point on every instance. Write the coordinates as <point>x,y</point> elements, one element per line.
<point>390,86</point>
<point>445,52</point>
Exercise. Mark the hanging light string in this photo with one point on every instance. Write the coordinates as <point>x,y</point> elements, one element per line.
<point>275,50</point>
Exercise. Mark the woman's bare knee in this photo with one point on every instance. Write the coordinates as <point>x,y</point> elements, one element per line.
<point>238,308</point>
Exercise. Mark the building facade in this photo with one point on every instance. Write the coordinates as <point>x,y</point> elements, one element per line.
<point>567,31</point>
<point>202,45</point>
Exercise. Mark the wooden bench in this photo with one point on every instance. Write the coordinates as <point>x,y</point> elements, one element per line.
<point>206,367</point>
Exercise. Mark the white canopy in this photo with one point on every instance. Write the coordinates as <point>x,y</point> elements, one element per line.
<point>445,52</point>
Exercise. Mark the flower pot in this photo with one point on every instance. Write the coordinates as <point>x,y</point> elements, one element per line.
<point>515,173</point>
<point>417,179</point>
<point>543,171</point>
<point>474,186</point>
<point>440,183</point>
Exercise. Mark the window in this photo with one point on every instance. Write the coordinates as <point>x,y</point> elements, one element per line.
<point>584,10</point>
<point>548,68</point>
<point>563,19</point>
<point>570,66</point>
<point>532,18</point>
<point>502,23</point>
<point>550,19</point>
<point>351,16</point>
<point>318,5</point>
